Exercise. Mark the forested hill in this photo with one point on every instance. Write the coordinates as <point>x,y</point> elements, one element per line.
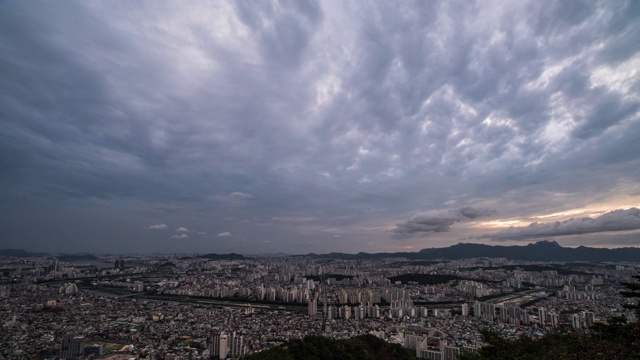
<point>364,347</point>
<point>539,251</point>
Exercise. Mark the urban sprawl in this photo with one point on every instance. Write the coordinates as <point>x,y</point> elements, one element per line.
<point>199,308</point>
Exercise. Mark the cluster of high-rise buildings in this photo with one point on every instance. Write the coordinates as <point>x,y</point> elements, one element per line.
<point>511,313</point>
<point>223,345</point>
<point>52,304</point>
<point>72,347</point>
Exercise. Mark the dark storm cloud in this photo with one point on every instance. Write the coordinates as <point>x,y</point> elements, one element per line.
<point>436,221</point>
<point>347,113</point>
<point>617,220</point>
<point>283,30</point>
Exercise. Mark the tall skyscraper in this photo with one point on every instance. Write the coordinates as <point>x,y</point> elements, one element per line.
<point>488,311</point>
<point>214,345</point>
<point>345,312</point>
<point>576,321</point>
<point>542,314</point>
<point>72,347</point>
<point>589,318</point>
<point>236,345</point>
<point>332,312</point>
<point>224,346</point>
<point>219,345</point>
<point>312,307</point>
<point>477,309</point>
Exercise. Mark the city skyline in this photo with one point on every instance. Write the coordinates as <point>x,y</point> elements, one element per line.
<point>302,127</point>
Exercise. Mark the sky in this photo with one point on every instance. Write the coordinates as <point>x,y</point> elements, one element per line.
<point>318,126</point>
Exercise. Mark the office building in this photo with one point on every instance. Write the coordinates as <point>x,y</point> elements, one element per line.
<point>312,307</point>
<point>72,347</point>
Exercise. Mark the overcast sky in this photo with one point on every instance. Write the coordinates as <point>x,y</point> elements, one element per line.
<point>293,126</point>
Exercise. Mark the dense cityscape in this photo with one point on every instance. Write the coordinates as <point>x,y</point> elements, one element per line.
<point>192,307</point>
<point>320,180</point>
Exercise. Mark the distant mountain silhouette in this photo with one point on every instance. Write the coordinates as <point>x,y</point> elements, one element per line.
<point>230,256</point>
<point>77,257</point>
<point>540,251</point>
<point>366,256</point>
<point>18,253</point>
<point>64,257</point>
<point>280,254</point>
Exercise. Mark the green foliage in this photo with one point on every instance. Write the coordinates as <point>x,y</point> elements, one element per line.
<point>365,347</point>
<point>617,340</point>
<point>633,291</point>
<point>605,342</point>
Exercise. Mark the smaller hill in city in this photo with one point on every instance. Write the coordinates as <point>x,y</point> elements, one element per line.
<point>363,347</point>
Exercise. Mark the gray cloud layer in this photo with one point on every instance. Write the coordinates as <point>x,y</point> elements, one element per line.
<point>436,221</point>
<point>115,117</point>
<point>617,220</point>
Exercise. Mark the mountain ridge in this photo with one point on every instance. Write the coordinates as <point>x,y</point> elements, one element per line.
<point>544,250</point>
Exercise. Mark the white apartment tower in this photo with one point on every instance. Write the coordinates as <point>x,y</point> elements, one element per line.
<point>312,307</point>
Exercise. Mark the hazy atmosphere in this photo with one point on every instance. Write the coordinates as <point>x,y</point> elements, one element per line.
<point>297,127</point>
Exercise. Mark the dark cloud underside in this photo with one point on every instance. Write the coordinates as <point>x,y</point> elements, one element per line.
<point>352,115</point>
<point>613,221</point>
